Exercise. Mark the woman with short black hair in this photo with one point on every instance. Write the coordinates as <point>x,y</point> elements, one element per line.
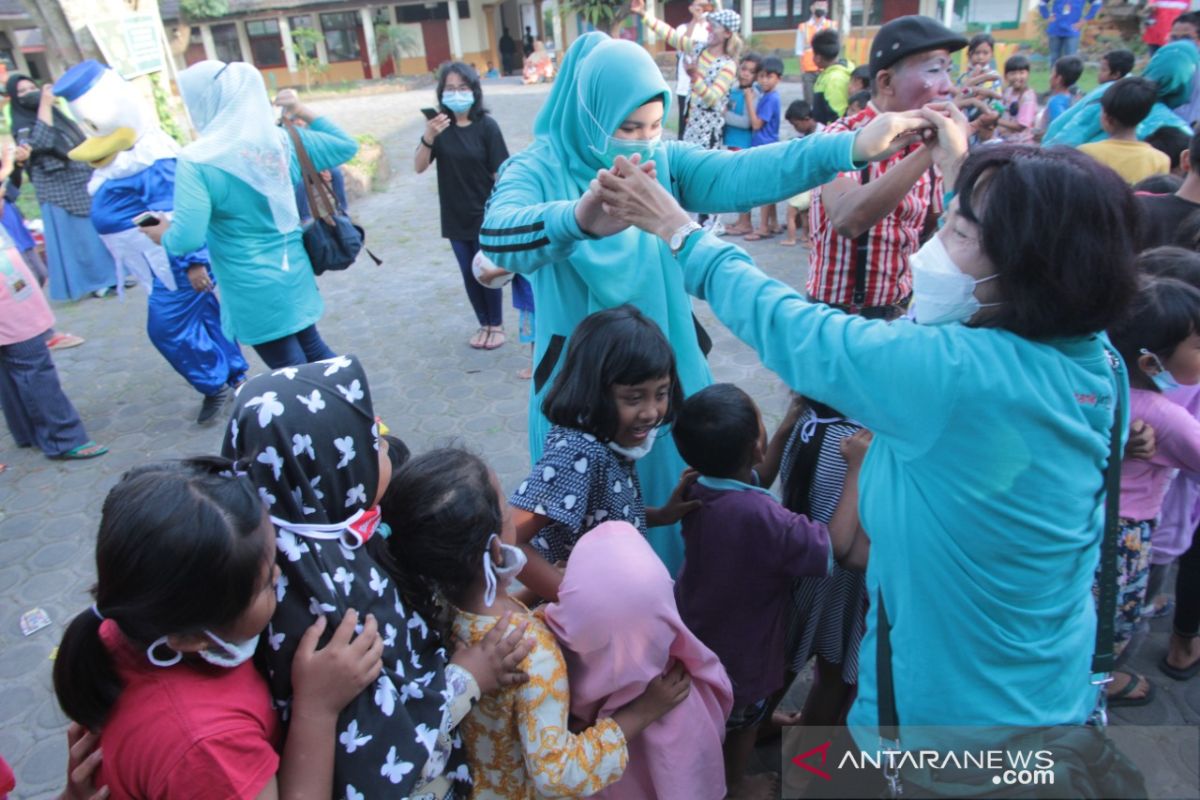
<point>983,491</point>
<point>471,148</point>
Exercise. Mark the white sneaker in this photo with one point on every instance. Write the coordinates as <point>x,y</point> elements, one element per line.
<point>715,226</point>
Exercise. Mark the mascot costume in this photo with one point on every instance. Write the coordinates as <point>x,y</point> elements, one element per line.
<point>134,163</point>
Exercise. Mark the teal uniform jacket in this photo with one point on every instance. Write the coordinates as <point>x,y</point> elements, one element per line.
<point>530,228</point>
<point>264,295</point>
<point>1172,67</point>
<point>982,493</point>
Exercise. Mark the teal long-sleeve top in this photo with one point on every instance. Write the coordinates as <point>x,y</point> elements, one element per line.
<point>982,494</point>
<point>574,275</point>
<point>267,285</point>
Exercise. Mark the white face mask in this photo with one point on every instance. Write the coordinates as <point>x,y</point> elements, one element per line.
<point>236,653</point>
<point>941,291</point>
<point>641,451</point>
<point>499,576</point>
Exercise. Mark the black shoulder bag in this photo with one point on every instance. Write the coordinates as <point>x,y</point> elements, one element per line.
<point>1087,764</point>
<point>331,239</point>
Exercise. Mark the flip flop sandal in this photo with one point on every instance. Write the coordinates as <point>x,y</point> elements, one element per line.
<point>1158,612</point>
<point>482,341</point>
<point>488,344</point>
<point>1122,699</point>
<point>1177,673</point>
<point>88,449</point>
<point>757,237</point>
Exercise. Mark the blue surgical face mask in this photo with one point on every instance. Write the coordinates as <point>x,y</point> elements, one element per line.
<point>613,147</point>
<point>1164,380</point>
<point>458,101</point>
<point>234,653</point>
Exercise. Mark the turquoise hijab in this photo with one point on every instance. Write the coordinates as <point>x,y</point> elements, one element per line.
<point>602,81</point>
<point>1172,67</point>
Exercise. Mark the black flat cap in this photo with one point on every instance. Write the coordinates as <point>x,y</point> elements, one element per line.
<point>909,35</point>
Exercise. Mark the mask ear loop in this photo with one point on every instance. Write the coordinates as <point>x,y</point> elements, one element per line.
<point>162,662</point>
<point>489,573</point>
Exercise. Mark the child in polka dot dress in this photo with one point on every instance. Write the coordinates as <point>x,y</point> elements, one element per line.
<point>617,386</point>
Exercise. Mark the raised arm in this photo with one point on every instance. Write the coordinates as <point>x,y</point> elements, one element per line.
<point>717,181</point>
<point>839,359</point>
<point>326,143</point>
<point>681,42</point>
<point>855,207</point>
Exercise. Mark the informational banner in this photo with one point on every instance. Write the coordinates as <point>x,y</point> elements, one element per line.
<point>994,12</point>
<point>131,44</point>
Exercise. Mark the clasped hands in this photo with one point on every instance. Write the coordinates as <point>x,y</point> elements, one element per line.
<point>629,192</point>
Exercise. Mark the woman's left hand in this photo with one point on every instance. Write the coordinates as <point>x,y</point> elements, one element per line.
<point>629,194</point>
<point>156,231</point>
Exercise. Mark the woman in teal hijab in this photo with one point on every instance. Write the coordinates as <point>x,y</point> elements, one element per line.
<point>233,191</point>
<point>610,99</point>
<point>1172,67</point>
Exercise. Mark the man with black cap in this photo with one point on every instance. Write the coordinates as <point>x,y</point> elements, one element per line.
<point>866,224</point>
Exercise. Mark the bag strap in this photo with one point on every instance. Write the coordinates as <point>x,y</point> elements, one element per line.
<point>320,196</point>
<point>1103,658</point>
<point>861,252</point>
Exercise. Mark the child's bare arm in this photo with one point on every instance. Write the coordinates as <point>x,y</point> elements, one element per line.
<point>768,470</point>
<point>844,526</point>
<point>539,576</point>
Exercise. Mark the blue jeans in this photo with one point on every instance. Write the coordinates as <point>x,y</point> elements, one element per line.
<point>303,347</point>
<point>35,408</point>
<point>487,303</point>
<point>1063,46</point>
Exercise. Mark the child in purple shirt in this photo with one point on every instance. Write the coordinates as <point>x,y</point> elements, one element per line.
<point>742,551</point>
<point>1159,339</point>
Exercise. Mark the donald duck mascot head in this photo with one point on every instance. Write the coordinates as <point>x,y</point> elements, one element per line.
<point>134,175</point>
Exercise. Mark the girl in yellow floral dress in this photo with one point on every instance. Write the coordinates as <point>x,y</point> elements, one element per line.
<point>454,558</point>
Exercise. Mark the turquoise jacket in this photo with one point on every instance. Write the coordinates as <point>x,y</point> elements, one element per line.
<point>1172,67</point>
<point>529,226</point>
<point>268,289</point>
<point>982,493</point>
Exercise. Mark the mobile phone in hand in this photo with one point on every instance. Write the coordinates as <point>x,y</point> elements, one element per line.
<point>146,219</point>
<point>429,113</point>
<point>23,135</point>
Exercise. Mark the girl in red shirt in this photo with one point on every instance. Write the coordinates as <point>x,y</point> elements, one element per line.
<point>160,663</point>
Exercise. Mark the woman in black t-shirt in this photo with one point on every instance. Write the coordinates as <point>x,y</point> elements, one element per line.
<point>469,148</point>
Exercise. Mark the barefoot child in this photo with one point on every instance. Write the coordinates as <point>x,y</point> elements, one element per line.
<point>799,116</point>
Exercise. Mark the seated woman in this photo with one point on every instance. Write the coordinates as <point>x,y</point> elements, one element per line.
<point>993,419</point>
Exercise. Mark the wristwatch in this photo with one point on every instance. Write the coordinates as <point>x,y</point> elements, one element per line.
<point>679,237</point>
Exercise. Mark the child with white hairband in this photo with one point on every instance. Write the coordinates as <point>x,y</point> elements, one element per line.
<point>454,559</point>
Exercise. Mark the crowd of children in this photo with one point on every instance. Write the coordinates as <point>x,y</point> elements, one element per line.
<point>319,613</point>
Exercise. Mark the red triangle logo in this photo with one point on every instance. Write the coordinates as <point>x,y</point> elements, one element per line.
<point>802,760</point>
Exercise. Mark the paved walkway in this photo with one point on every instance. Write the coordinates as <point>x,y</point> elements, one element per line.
<point>409,322</point>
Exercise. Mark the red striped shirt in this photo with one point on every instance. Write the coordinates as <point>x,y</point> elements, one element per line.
<point>890,242</point>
